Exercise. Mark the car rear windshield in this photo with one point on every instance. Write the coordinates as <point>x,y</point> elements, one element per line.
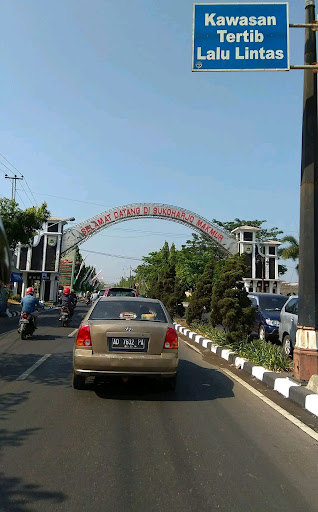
<point>272,303</point>
<point>128,310</point>
<point>121,293</point>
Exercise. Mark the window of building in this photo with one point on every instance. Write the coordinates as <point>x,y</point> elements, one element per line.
<point>272,250</point>
<point>248,236</point>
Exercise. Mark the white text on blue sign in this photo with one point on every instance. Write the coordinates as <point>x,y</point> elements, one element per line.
<point>233,37</point>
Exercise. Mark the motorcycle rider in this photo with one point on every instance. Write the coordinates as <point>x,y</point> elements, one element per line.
<point>67,300</point>
<point>73,294</point>
<point>29,304</point>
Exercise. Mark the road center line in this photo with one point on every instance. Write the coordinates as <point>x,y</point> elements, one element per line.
<point>33,367</point>
<point>264,398</point>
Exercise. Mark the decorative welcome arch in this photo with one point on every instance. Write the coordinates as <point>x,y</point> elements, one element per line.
<point>81,232</point>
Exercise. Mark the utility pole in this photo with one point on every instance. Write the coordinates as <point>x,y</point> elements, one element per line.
<point>14,184</point>
<point>306,350</point>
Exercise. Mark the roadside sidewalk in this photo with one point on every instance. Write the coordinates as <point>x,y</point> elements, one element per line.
<point>286,386</point>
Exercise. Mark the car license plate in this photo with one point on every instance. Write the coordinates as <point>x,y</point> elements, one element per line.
<point>126,344</point>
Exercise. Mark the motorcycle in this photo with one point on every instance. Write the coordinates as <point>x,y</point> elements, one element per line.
<point>26,326</point>
<point>65,316</point>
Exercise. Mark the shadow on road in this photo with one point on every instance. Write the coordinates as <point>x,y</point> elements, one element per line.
<point>19,496</point>
<point>16,495</point>
<point>194,384</point>
<point>56,371</point>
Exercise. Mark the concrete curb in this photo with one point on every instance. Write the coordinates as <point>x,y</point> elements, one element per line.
<point>283,385</point>
<point>12,313</point>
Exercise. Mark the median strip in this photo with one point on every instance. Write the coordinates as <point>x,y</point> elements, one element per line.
<point>33,367</point>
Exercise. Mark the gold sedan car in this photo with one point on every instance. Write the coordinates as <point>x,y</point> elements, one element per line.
<point>126,336</point>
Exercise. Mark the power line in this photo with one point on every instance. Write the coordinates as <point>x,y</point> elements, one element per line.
<point>21,199</point>
<point>142,236</point>
<point>113,255</point>
<point>20,174</point>
<point>14,180</point>
<point>23,189</point>
<point>71,199</point>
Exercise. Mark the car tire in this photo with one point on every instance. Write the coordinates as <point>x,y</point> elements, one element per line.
<point>261,333</point>
<point>78,381</point>
<point>287,347</point>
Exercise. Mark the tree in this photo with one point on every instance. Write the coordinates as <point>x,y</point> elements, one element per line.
<point>162,281</point>
<point>263,234</point>
<point>153,268</point>
<point>201,297</point>
<point>193,258</point>
<point>291,251</point>
<point>21,225</point>
<point>230,305</point>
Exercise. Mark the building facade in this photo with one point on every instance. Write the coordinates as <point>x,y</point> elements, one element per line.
<point>261,259</point>
<point>39,262</point>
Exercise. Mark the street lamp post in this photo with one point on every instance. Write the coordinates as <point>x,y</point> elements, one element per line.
<point>306,350</point>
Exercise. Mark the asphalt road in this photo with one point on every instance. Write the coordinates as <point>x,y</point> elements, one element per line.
<point>210,445</point>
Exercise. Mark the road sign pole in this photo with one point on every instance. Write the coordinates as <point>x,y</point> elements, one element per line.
<point>306,350</point>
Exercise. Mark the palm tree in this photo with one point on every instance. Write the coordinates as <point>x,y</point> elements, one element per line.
<point>291,251</point>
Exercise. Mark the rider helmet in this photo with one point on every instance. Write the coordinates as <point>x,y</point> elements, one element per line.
<point>67,290</point>
<point>30,290</point>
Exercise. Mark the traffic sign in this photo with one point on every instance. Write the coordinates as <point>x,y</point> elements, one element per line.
<point>240,37</point>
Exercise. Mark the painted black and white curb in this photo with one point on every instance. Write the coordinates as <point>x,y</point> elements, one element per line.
<point>284,385</point>
<point>10,314</point>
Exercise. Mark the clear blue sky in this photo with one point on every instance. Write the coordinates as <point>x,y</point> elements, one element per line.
<point>99,105</point>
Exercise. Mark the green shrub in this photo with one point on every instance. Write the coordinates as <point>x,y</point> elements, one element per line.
<point>259,352</point>
<point>230,305</point>
<point>201,298</point>
<point>16,298</point>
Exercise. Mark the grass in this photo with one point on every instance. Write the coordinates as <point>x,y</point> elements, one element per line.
<point>260,352</point>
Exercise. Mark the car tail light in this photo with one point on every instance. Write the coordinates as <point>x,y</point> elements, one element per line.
<point>171,340</point>
<point>25,315</point>
<point>84,337</point>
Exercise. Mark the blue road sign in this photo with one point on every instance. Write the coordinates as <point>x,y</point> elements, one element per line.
<point>240,37</point>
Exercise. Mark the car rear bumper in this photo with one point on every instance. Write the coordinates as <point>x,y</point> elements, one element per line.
<point>85,362</point>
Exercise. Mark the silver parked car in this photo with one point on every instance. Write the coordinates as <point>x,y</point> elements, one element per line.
<point>288,325</point>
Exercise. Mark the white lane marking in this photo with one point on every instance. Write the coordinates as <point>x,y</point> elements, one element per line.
<point>193,348</point>
<point>269,402</point>
<point>274,406</point>
<point>34,367</point>
<point>72,333</point>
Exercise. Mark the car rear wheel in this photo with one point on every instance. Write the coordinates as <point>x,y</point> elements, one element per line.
<point>78,381</point>
<point>287,346</point>
<point>261,332</point>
